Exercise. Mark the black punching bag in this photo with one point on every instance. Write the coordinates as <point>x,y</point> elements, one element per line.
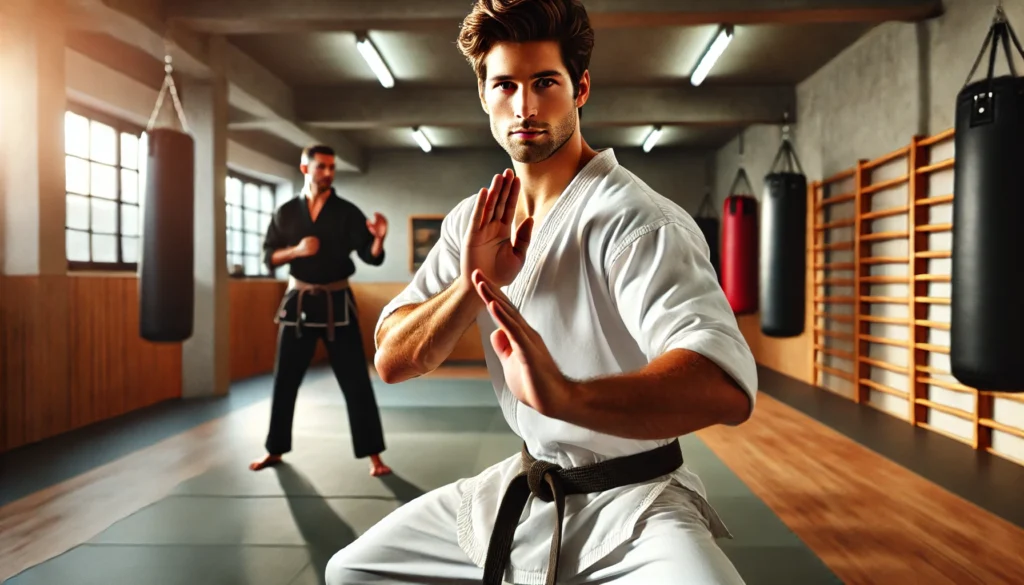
<point>783,247</point>
<point>166,276</point>
<point>709,225</point>
<point>987,324</point>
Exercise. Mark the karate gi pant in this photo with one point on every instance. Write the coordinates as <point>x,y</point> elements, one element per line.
<point>294,354</point>
<point>418,544</point>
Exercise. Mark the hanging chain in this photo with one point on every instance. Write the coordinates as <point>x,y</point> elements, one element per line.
<point>168,85</point>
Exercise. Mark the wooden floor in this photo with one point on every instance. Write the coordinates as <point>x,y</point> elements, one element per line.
<point>869,520</point>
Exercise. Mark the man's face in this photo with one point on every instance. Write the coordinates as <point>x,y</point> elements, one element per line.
<point>528,96</point>
<point>320,170</point>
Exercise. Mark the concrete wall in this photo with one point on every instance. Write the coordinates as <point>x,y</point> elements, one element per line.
<point>400,183</point>
<point>898,81</point>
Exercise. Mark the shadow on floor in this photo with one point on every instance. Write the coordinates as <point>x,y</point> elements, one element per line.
<point>324,532</point>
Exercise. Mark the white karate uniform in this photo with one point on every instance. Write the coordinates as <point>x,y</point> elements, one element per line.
<point>615,276</point>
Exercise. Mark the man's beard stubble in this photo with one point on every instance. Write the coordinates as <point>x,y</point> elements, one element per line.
<point>525,152</point>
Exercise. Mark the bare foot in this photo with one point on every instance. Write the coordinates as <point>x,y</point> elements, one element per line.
<point>377,467</point>
<point>265,462</point>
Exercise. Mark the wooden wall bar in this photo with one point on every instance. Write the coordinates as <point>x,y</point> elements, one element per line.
<point>70,355</point>
<point>897,281</point>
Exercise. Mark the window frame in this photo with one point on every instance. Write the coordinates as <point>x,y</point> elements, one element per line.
<point>259,183</point>
<point>120,126</point>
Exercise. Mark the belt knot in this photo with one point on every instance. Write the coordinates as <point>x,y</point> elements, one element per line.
<point>540,476</point>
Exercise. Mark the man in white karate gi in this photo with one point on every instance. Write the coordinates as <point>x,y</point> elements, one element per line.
<point>606,334</point>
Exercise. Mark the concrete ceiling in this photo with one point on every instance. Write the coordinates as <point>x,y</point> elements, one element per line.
<point>295,74</point>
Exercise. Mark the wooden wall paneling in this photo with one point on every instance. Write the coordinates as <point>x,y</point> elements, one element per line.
<point>253,331</point>
<point>72,355</point>
<point>112,369</point>
<point>35,314</point>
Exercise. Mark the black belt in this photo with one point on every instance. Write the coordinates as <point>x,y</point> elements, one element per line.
<point>550,482</point>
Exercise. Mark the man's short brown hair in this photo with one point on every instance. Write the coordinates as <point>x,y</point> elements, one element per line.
<point>310,152</point>
<point>520,21</point>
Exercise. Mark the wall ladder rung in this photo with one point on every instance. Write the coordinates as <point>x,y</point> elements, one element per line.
<point>946,409</point>
<point>883,388</point>
<point>937,200</point>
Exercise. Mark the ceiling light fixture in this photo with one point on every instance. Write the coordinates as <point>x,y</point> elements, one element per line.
<point>421,139</point>
<point>374,60</point>
<point>652,139</point>
<point>711,55</point>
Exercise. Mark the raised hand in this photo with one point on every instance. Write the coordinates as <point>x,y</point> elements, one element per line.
<point>378,226</point>
<point>490,245</point>
<point>530,372</point>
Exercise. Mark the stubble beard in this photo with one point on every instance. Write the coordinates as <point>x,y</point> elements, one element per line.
<point>539,150</point>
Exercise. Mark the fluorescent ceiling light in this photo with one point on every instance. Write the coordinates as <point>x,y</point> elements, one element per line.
<point>373,59</point>
<point>421,139</point>
<point>652,139</point>
<point>711,55</point>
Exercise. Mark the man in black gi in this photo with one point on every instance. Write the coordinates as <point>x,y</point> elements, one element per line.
<point>316,232</point>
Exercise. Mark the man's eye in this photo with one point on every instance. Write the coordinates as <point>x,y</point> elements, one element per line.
<point>546,82</point>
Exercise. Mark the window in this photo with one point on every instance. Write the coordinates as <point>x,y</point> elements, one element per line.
<point>250,205</point>
<point>103,163</point>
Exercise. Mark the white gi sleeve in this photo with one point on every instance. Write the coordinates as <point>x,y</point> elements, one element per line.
<point>439,269</point>
<point>667,293</point>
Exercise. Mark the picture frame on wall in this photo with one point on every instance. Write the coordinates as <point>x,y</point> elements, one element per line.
<point>424,232</point>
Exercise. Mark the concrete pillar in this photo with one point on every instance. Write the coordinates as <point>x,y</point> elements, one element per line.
<point>206,356</point>
<point>32,105</point>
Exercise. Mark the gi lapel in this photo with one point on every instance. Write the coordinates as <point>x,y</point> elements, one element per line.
<point>594,170</point>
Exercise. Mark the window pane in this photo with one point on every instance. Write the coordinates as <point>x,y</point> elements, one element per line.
<point>76,173</point>
<point>252,244</point>
<point>129,186</point>
<point>264,222</point>
<point>252,221</point>
<point>129,151</point>
<point>236,242</point>
<point>234,191</point>
<point>236,260</point>
<point>76,135</point>
<point>252,197</point>
<point>266,199</point>
<point>235,218</point>
<point>252,265</point>
<point>103,180</point>
<point>77,212</point>
<point>77,244</point>
<point>130,250</point>
<point>102,143</point>
<point>104,248</point>
<point>129,220</point>
<point>104,216</point>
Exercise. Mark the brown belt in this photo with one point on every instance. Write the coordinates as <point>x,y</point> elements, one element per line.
<point>315,289</point>
<point>550,482</point>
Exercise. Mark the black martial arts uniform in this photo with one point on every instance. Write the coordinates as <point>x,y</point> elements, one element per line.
<point>305,316</point>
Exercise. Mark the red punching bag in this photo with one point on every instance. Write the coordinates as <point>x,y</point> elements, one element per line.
<point>739,249</point>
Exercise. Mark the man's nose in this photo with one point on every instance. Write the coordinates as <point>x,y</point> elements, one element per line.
<point>525,103</point>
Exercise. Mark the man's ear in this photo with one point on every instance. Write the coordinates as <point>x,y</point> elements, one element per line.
<point>304,168</point>
<point>584,90</point>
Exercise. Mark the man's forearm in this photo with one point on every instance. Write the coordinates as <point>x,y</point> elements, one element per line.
<point>414,341</point>
<point>679,393</point>
<point>283,256</point>
<point>377,248</point>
